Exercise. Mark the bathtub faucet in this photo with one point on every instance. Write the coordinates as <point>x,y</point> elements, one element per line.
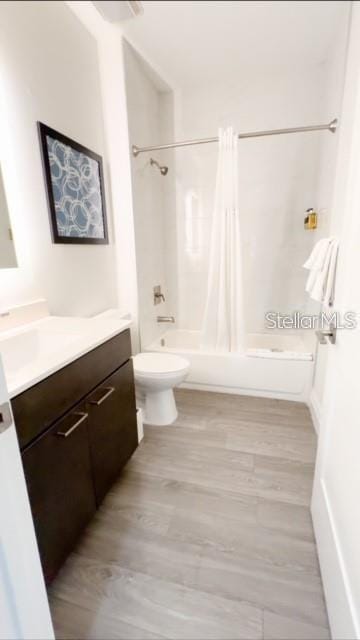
<point>165,319</point>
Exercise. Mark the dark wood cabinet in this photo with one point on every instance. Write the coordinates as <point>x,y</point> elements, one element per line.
<point>77,429</point>
<point>60,484</point>
<point>38,407</point>
<point>112,427</point>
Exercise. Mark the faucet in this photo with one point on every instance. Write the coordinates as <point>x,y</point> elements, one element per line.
<point>165,319</point>
<point>158,296</point>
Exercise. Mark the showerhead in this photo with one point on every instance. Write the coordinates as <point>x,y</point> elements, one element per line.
<point>163,170</point>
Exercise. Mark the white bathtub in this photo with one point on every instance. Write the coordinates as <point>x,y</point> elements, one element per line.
<point>276,366</point>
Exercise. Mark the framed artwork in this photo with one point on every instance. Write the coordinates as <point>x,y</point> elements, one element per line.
<point>75,189</point>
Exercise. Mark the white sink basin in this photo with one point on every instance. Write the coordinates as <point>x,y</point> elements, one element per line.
<point>26,348</point>
<point>34,351</point>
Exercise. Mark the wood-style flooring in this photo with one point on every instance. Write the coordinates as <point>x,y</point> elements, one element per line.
<point>206,535</point>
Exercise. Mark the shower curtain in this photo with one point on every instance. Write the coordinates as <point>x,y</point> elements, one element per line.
<point>223,325</point>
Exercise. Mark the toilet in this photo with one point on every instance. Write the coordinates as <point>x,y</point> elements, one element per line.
<point>156,374</point>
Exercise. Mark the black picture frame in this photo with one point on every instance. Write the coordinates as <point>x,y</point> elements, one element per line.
<point>45,131</point>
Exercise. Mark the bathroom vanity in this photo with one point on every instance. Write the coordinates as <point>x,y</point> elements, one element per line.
<point>76,426</point>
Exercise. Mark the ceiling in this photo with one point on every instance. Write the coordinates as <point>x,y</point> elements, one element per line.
<point>198,42</point>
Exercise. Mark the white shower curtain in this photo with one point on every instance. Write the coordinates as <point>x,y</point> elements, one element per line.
<point>223,326</point>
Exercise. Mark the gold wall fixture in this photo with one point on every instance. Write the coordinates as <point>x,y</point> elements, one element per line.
<point>311,219</point>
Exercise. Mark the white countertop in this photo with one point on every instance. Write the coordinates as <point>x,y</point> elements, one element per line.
<point>34,351</point>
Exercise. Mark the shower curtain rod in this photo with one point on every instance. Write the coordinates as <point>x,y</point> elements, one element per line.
<point>332,126</point>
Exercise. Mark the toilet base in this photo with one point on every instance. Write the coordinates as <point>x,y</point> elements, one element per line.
<point>160,407</point>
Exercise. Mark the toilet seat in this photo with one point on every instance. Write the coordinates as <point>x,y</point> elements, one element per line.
<point>158,364</point>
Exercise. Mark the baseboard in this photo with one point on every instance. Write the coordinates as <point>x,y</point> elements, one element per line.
<point>343,617</point>
<point>239,391</point>
<point>315,410</point>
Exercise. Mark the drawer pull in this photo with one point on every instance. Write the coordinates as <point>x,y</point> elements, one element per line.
<point>65,434</point>
<point>108,392</point>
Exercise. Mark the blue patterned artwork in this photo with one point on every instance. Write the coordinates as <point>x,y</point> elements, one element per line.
<point>75,190</point>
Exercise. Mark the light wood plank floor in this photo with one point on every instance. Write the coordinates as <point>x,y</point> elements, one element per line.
<point>206,535</point>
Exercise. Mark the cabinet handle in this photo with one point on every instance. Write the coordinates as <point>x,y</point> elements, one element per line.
<point>65,434</point>
<point>108,392</point>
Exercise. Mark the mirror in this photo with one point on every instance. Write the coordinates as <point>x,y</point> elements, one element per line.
<point>7,248</point>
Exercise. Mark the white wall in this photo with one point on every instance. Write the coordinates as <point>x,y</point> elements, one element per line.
<point>49,72</point>
<point>150,120</point>
<point>167,134</point>
<point>278,182</point>
<point>335,504</point>
<point>23,615</point>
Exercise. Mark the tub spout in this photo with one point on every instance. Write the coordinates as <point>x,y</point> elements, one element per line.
<point>165,319</point>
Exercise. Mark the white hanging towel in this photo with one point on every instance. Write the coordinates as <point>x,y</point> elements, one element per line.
<point>322,267</point>
<point>223,326</point>
<point>316,262</point>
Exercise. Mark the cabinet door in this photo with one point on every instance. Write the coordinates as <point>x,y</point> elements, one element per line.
<point>60,484</point>
<point>113,429</point>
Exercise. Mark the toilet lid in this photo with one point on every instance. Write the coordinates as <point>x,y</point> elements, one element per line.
<point>158,363</point>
